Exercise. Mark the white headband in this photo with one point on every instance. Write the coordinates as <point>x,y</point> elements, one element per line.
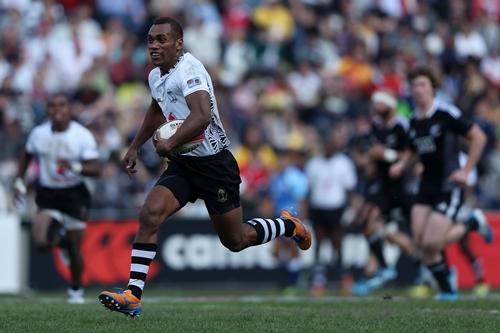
<point>385,98</point>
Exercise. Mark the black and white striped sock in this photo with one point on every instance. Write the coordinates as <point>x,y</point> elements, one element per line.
<point>142,256</point>
<point>441,273</point>
<point>269,229</point>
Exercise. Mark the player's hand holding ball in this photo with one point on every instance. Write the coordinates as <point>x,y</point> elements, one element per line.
<point>163,148</point>
<point>163,145</point>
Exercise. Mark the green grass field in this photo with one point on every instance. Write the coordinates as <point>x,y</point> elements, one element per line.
<point>264,313</point>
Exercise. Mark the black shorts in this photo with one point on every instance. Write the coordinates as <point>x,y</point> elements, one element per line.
<point>73,201</point>
<point>388,198</point>
<point>447,203</point>
<point>214,179</point>
<point>326,217</point>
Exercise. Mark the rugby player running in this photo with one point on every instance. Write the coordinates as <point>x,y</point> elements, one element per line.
<point>181,88</point>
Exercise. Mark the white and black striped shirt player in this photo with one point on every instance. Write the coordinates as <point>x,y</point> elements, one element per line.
<point>169,91</point>
<point>331,178</point>
<point>435,138</point>
<point>210,171</point>
<point>61,192</point>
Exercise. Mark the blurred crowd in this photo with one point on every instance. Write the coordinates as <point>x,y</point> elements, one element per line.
<point>285,73</point>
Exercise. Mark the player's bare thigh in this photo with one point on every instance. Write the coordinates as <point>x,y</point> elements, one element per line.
<point>158,206</point>
<point>419,217</point>
<point>40,229</point>
<point>434,236</point>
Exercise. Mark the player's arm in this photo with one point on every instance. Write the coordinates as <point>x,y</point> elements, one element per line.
<point>477,141</point>
<point>24,161</point>
<point>90,168</point>
<point>19,185</point>
<point>152,120</point>
<point>390,155</point>
<point>406,158</point>
<point>195,123</point>
<point>352,211</point>
<point>88,163</point>
<point>28,153</point>
<point>380,152</point>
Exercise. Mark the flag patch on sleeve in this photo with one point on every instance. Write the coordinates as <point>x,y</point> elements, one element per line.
<point>193,82</point>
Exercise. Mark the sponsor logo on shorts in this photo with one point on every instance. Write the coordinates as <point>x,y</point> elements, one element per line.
<point>221,195</point>
<point>442,206</point>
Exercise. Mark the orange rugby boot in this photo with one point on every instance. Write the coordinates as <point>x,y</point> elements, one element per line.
<point>122,301</point>
<point>302,234</point>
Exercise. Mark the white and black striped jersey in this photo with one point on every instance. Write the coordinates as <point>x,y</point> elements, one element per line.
<point>169,90</point>
<point>435,138</point>
<point>75,144</point>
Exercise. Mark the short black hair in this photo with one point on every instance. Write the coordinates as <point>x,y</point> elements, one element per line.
<point>59,94</point>
<point>423,71</point>
<point>175,26</point>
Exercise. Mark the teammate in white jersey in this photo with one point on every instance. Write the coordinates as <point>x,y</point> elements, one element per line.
<point>182,89</point>
<point>66,151</point>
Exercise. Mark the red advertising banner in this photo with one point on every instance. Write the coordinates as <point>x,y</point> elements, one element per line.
<point>189,251</point>
<point>488,254</point>
<point>106,251</point>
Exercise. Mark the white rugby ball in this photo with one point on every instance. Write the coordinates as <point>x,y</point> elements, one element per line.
<point>168,129</point>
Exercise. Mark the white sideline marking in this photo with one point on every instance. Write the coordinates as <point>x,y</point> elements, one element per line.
<point>225,299</point>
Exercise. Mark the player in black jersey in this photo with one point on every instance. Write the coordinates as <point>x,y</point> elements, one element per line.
<point>384,195</point>
<point>435,129</point>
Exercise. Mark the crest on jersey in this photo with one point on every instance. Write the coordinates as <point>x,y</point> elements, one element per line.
<point>193,82</point>
<point>435,130</point>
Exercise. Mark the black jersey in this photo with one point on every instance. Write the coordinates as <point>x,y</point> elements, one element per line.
<point>435,138</point>
<point>394,136</point>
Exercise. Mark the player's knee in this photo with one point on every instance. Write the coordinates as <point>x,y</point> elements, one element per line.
<point>42,245</point>
<point>233,245</point>
<point>430,246</point>
<point>368,231</point>
<point>150,218</point>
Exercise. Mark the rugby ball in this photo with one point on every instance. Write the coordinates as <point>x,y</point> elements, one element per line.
<point>168,129</point>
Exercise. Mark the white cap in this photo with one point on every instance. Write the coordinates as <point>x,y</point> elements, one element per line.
<point>381,96</point>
